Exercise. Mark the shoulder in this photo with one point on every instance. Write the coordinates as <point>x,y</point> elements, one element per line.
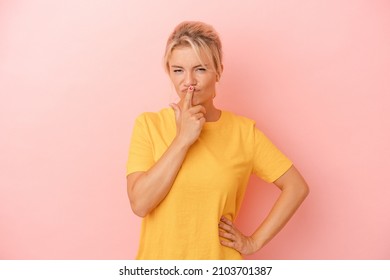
<point>236,120</point>
<point>161,116</point>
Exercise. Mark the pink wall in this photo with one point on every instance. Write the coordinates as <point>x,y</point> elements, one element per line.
<point>74,75</point>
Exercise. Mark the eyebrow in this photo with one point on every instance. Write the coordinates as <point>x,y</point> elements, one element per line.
<point>200,65</point>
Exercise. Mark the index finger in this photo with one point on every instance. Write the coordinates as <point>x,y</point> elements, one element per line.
<point>188,98</point>
<point>226,220</point>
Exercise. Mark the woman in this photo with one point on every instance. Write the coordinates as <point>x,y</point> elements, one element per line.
<point>189,165</point>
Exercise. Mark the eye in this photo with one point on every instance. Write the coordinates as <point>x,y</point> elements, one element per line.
<point>177,70</point>
<point>201,69</point>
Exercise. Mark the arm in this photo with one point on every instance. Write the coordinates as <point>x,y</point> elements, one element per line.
<point>294,191</point>
<point>147,189</point>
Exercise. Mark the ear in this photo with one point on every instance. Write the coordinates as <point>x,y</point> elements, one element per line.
<point>218,78</point>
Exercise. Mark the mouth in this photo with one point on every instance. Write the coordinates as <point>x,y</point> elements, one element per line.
<point>184,90</point>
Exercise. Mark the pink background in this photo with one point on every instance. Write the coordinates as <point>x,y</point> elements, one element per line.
<point>315,75</point>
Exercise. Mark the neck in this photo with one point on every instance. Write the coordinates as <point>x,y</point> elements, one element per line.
<point>212,114</point>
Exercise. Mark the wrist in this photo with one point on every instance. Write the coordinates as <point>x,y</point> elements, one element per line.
<point>181,144</point>
<point>258,243</point>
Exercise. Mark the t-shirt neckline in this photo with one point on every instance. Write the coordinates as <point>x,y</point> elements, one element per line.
<point>208,125</point>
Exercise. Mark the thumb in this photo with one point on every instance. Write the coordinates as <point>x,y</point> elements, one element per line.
<point>177,111</point>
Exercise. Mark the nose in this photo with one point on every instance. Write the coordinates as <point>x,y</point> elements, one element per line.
<point>189,79</point>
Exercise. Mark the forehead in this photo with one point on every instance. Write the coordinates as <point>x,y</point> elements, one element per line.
<point>187,56</point>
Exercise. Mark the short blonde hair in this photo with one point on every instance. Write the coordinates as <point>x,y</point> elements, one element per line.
<point>201,37</point>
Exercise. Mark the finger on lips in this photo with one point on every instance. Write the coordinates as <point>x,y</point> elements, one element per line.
<point>188,97</point>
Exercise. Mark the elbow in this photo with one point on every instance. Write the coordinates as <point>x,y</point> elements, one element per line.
<point>304,190</point>
<point>141,214</point>
<point>299,190</point>
<point>137,205</point>
<point>138,209</point>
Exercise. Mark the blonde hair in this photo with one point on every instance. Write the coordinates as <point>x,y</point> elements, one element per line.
<point>201,37</point>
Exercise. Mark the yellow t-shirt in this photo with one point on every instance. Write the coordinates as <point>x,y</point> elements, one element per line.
<point>211,182</point>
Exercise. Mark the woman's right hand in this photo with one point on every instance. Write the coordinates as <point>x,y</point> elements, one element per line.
<point>147,189</point>
<point>189,119</point>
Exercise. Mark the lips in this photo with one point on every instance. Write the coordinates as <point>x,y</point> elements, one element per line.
<point>184,90</point>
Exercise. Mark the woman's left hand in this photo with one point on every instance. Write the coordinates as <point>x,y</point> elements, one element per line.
<point>233,238</point>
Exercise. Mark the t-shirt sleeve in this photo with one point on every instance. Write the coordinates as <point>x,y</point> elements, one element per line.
<point>269,163</point>
<point>141,150</point>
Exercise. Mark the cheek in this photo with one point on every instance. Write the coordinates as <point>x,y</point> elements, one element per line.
<point>209,84</point>
<point>175,81</point>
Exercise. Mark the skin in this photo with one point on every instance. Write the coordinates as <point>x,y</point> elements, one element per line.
<point>194,82</point>
<point>186,70</point>
<point>293,191</point>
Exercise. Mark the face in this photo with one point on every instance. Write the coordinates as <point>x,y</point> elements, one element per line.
<point>185,70</point>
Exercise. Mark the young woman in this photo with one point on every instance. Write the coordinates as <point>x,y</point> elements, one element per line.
<point>189,165</point>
